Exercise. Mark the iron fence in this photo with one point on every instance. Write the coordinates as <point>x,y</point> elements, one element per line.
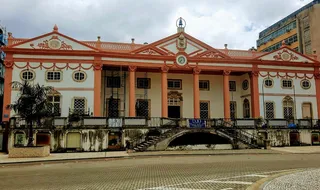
<point>158,122</point>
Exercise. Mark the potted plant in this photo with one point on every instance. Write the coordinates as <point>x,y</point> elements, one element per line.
<point>259,121</point>
<point>73,119</point>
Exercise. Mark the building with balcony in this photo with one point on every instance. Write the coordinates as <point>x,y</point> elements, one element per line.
<point>299,31</point>
<point>175,81</point>
<point>3,43</point>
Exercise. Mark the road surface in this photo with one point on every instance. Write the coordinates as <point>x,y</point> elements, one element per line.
<point>218,172</point>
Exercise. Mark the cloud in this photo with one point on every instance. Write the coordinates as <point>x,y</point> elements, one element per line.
<point>216,23</point>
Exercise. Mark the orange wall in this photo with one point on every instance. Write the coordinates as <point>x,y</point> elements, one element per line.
<point>279,39</point>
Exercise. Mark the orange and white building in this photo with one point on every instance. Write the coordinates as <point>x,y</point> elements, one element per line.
<point>178,76</point>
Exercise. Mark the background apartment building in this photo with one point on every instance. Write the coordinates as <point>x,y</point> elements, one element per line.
<point>300,31</point>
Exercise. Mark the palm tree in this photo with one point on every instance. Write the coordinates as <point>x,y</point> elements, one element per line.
<point>32,104</point>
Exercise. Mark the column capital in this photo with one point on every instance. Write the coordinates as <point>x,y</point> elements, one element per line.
<point>254,74</point>
<point>8,63</point>
<point>132,68</point>
<point>165,69</point>
<point>226,72</point>
<point>196,70</point>
<point>97,65</point>
<point>316,76</point>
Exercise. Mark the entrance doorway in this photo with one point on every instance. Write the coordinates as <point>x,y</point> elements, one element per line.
<point>174,104</point>
<point>174,111</point>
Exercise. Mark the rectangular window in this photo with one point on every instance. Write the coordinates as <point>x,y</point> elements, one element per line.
<point>233,109</point>
<point>269,110</point>
<point>306,22</point>
<point>287,112</point>
<point>143,83</point>
<point>143,108</point>
<point>113,108</point>
<point>54,75</point>
<point>204,110</point>
<point>204,85</point>
<point>79,105</point>
<point>54,106</point>
<point>174,84</point>
<point>308,49</point>
<point>113,82</point>
<point>286,83</point>
<point>232,86</point>
<point>307,37</point>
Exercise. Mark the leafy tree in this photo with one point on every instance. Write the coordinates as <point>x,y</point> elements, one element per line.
<point>32,104</point>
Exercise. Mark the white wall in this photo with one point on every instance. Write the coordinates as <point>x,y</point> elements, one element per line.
<point>67,86</point>
<point>277,93</point>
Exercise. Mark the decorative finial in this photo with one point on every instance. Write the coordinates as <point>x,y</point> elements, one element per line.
<point>314,52</point>
<point>283,43</point>
<point>181,24</point>
<point>132,40</point>
<point>225,46</point>
<point>55,28</point>
<point>99,38</point>
<point>9,34</point>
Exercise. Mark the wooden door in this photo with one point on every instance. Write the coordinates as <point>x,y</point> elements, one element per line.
<point>306,111</point>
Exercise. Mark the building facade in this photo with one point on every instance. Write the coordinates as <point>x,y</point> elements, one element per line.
<point>175,81</point>
<point>299,30</point>
<point>3,43</point>
<point>175,77</point>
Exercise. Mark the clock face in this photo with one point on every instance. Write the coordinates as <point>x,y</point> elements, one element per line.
<point>181,60</point>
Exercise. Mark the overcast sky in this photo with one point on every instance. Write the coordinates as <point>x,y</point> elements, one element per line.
<point>215,22</point>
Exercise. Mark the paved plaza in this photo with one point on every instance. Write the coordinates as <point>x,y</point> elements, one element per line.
<point>306,180</point>
<point>185,172</point>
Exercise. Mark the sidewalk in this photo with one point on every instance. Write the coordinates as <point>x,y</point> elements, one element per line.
<point>298,149</point>
<point>122,154</point>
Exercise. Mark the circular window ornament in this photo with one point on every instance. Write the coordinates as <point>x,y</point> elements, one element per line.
<point>305,84</point>
<point>27,75</point>
<point>54,44</point>
<point>245,85</point>
<point>268,83</point>
<point>79,76</point>
<point>181,60</point>
<point>285,56</point>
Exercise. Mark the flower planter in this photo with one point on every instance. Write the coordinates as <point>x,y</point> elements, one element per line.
<point>29,152</point>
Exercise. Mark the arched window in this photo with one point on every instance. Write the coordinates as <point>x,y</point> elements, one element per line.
<point>246,108</point>
<point>288,107</point>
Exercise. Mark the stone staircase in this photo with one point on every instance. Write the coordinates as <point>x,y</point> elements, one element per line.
<point>239,135</point>
<point>154,140</point>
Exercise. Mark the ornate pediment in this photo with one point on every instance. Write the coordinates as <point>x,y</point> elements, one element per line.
<point>210,54</point>
<point>286,54</point>
<point>177,43</point>
<point>53,41</point>
<point>175,95</point>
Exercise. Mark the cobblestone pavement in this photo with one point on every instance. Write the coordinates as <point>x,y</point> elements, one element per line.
<point>226,172</point>
<point>307,180</point>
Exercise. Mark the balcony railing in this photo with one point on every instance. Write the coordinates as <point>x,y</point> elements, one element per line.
<point>187,123</point>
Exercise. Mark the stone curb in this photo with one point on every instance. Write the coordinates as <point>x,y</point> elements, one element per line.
<point>260,184</point>
<point>125,157</point>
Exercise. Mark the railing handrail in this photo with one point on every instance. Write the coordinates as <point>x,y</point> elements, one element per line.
<point>210,123</point>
